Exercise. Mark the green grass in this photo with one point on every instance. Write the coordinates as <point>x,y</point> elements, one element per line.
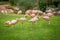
<point>37,31</point>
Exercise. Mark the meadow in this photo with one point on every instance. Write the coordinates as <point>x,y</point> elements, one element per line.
<point>40,30</point>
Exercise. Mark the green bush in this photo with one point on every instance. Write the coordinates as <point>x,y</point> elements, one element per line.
<point>30,4</point>
<point>24,4</point>
<point>51,3</point>
<point>43,5</point>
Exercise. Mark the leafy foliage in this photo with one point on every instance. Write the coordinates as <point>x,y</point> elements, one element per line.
<point>24,4</point>
<point>43,4</point>
<point>30,4</point>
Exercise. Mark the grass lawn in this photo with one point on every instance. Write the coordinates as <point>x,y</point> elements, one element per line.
<point>37,31</point>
